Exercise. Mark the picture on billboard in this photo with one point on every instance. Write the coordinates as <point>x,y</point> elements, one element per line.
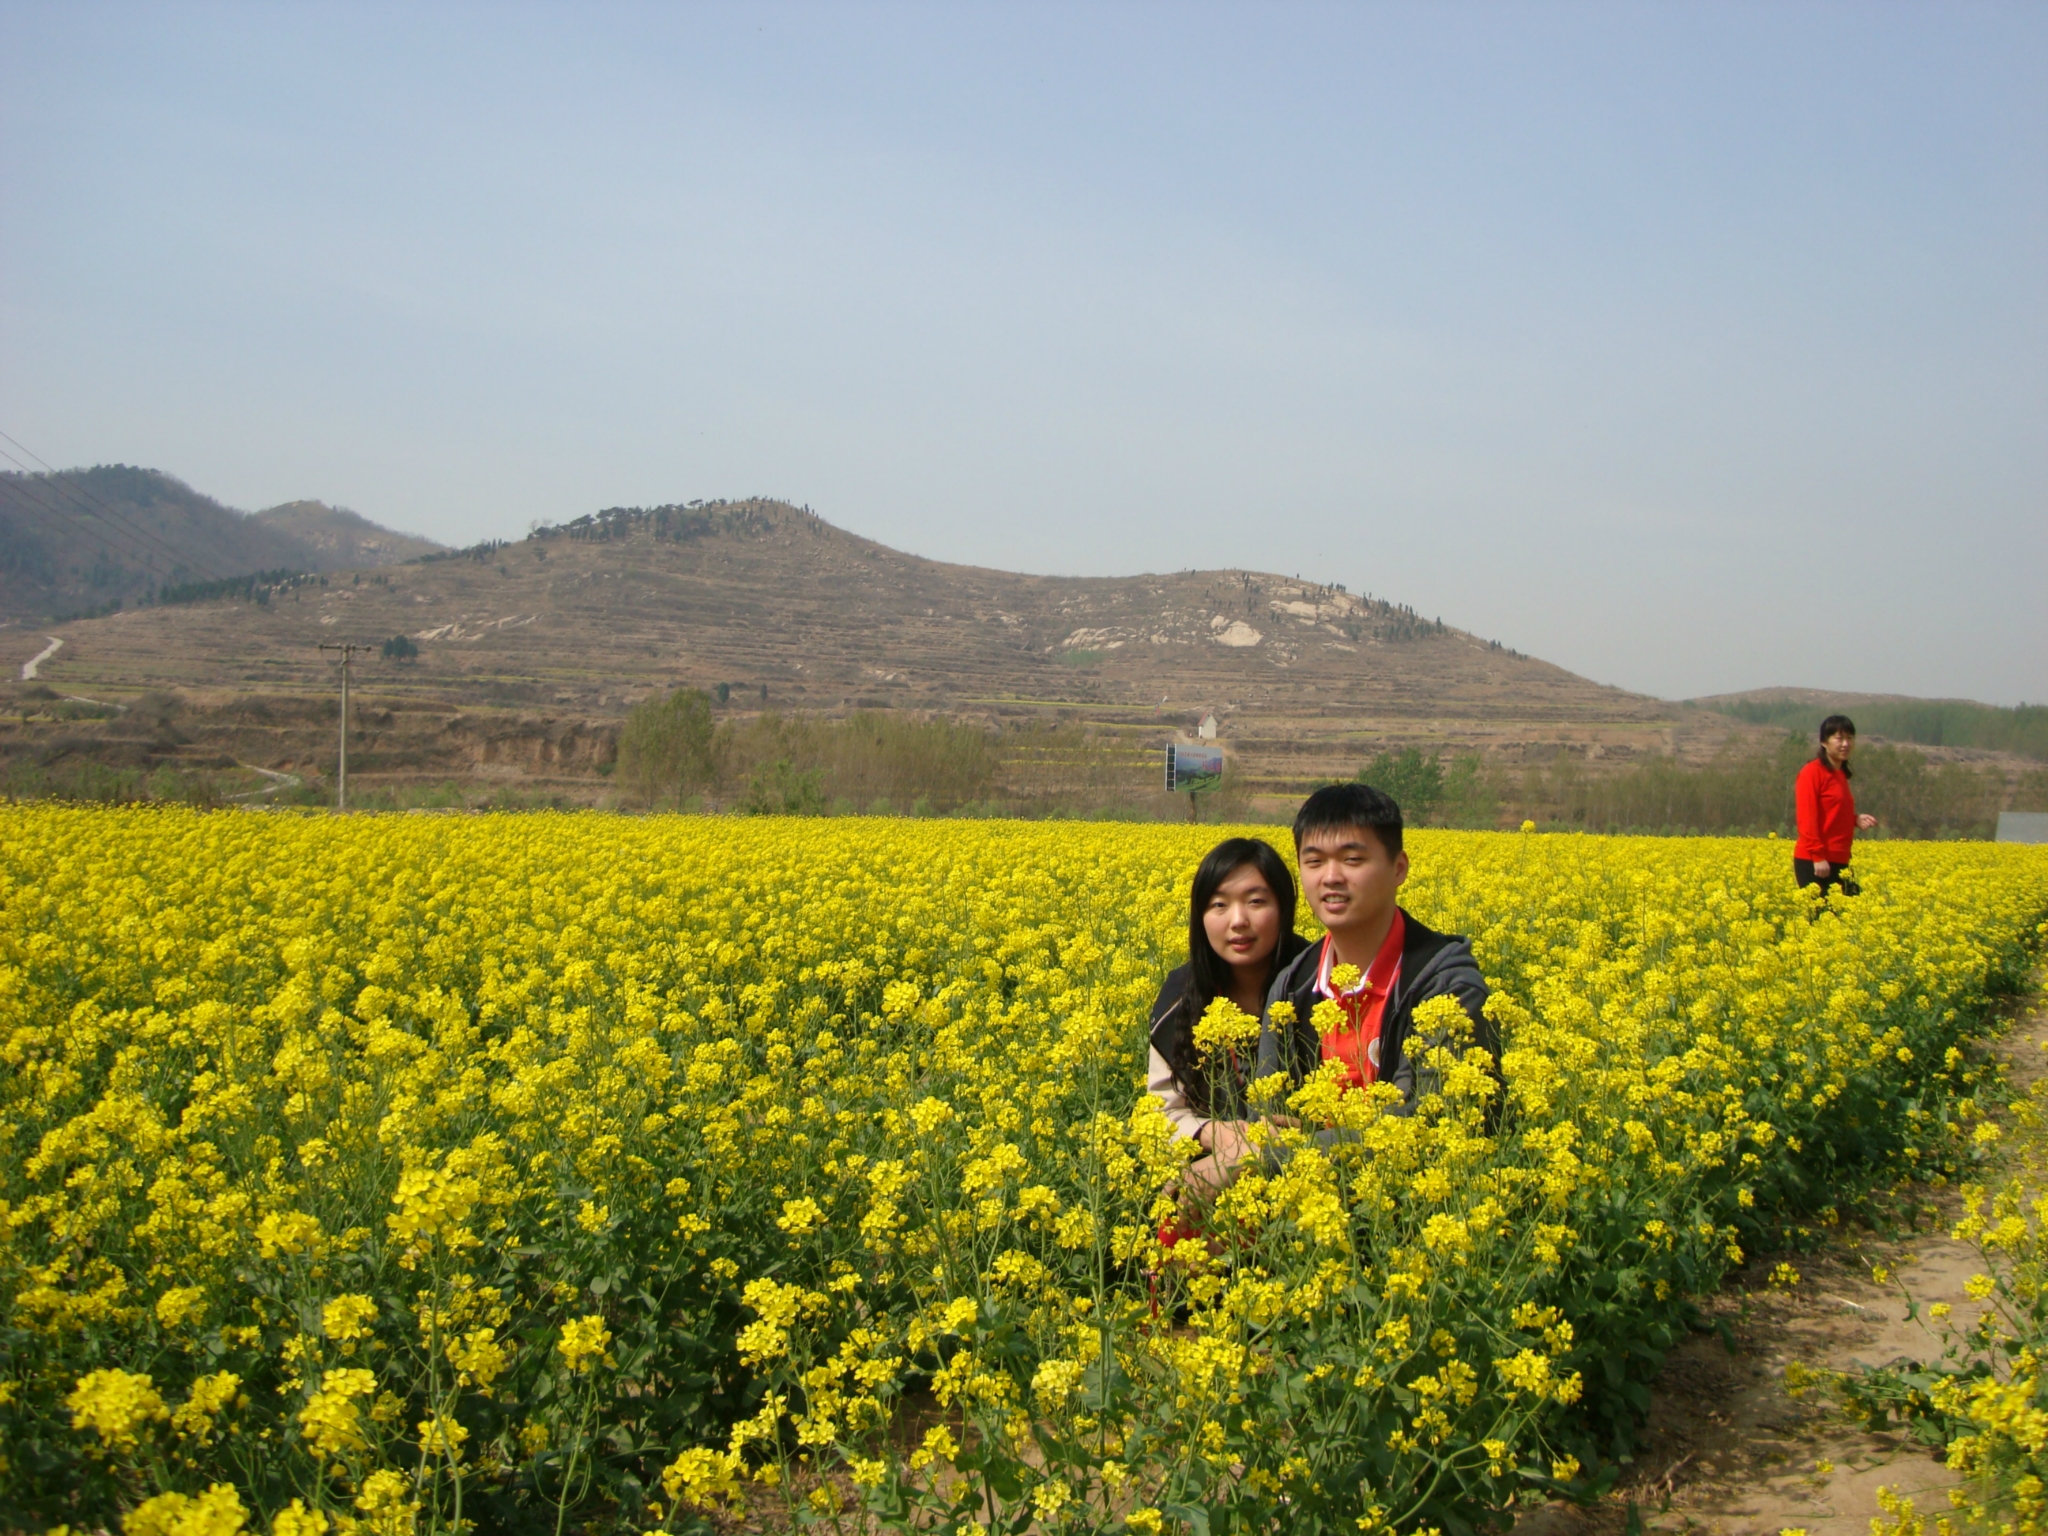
<point>1193,768</point>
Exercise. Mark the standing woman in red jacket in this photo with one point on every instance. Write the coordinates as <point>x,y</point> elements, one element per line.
<point>1827,811</point>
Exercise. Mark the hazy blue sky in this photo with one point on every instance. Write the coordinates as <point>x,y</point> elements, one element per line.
<point>1693,347</point>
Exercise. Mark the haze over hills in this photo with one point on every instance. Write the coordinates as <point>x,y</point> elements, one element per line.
<point>342,540</point>
<point>90,540</point>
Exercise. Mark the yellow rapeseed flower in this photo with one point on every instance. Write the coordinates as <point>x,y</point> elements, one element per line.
<point>584,1341</point>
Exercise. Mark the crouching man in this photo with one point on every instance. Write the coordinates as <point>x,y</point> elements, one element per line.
<point>1347,840</point>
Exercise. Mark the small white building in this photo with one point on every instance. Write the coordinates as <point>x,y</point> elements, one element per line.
<point>1207,729</point>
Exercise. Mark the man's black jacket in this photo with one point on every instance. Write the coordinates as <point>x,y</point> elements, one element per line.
<point>1432,965</point>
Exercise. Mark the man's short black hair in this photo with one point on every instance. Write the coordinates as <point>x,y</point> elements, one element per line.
<point>1350,805</point>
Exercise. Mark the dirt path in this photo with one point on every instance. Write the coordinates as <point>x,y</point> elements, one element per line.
<point>30,667</point>
<point>277,782</point>
<point>1729,1451</point>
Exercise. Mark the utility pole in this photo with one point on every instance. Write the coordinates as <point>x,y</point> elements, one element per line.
<point>348,651</point>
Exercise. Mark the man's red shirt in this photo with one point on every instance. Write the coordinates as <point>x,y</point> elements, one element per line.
<point>1357,1043</point>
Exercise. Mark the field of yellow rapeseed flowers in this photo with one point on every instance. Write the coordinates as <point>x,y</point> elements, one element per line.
<point>401,1174</point>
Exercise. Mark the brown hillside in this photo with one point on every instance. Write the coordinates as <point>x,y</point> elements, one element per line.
<point>530,653</point>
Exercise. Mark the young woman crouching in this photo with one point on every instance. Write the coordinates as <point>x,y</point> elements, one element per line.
<point>1240,935</point>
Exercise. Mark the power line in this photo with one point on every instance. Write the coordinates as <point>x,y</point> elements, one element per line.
<point>52,470</point>
<point>348,651</point>
<point>85,504</point>
<point>89,505</point>
<point>36,491</point>
<point>78,508</point>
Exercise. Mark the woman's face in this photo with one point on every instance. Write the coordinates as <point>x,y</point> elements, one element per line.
<point>1243,919</point>
<point>1839,746</point>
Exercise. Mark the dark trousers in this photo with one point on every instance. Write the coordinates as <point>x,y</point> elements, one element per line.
<point>1838,875</point>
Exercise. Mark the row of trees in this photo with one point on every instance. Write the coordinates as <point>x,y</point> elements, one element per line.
<point>674,752</point>
<point>680,750</point>
<point>1740,792</point>
<point>1431,792</point>
<point>2022,728</point>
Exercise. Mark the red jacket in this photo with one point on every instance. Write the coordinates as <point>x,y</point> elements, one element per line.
<point>1827,814</point>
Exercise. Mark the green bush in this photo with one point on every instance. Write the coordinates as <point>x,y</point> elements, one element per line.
<point>1414,780</point>
<point>666,748</point>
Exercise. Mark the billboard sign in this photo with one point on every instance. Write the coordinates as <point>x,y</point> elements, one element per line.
<point>1193,767</point>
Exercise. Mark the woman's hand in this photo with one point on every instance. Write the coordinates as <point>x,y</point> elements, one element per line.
<point>1226,1142</point>
<point>1823,868</point>
<point>1202,1181</point>
<point>1227,1146</point>
<point>1866,821</point>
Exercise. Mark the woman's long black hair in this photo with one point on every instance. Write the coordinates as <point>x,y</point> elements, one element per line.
<point>1209,973</point>
<point>1828,727</point>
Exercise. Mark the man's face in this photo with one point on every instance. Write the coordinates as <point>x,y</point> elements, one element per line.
<point>1349,878</point>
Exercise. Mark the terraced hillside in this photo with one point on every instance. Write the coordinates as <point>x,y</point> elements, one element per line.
<point>526,645</point>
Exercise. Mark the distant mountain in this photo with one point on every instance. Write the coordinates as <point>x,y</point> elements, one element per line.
<point>761,594</point>
<point>514,662</point>
<point>89,541</point>
<point>344,540</point>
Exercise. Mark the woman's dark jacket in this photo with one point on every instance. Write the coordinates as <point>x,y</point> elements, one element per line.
<point>1175,1013</point>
